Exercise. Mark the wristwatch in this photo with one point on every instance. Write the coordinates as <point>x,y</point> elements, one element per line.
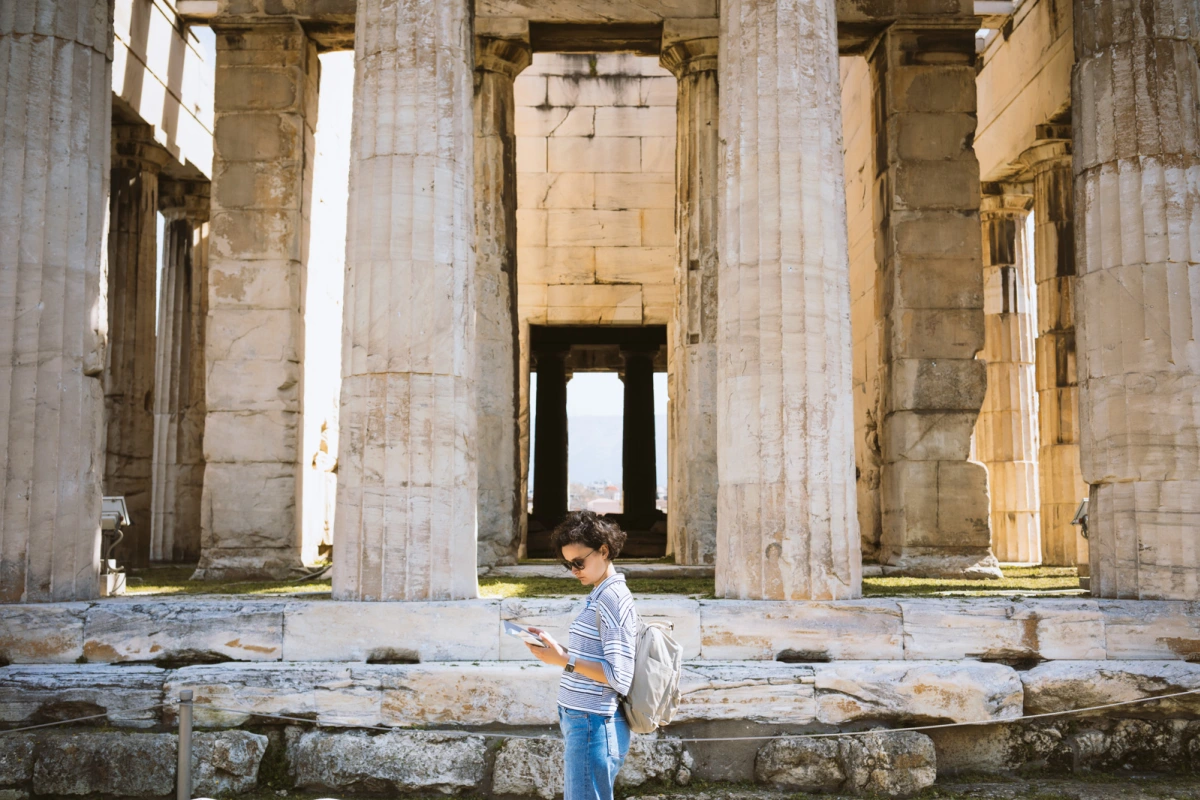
<point>570,667</point>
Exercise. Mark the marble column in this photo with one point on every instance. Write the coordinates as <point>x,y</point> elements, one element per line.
<point>1137,302</point>
<point>132,294</point>
<point>55,120</point>
<point>639,473</point>
<point>1006,432</point>
<point>178,467</point>
<point>787,528</point>
<point>407,487</point>
<point>933,499</point>
<point>550,442</point>
<point>497,64</point>
<point>263,155</point>
<point>1062,485</point>
<point>693,479</point>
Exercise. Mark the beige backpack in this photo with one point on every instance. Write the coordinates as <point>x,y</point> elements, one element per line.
<point>653,695</point>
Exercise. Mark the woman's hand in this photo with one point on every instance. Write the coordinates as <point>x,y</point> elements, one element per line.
<point>553,653</point>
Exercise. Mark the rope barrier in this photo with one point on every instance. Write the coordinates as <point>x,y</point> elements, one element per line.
<point>491,735</point>
<point>105,715</point>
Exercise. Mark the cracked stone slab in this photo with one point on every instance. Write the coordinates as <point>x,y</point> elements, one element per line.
<point>192,631</point>
<point>1003,629</point>
<point>1066,685</point>
<point>754,691</point>
<point>1151,629</point>
<point>31,695</point>
<point>42,633</point>
<point>810,631</point>
<point>900,692</point>
<point>393,632</point>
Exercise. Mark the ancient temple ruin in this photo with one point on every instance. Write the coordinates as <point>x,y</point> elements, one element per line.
<point>922,277</point>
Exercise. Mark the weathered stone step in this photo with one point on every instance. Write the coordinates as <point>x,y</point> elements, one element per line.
<point>455,695</point>
<point>209,630</point>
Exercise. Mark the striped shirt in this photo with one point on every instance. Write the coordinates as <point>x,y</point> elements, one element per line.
<point>611,599</point>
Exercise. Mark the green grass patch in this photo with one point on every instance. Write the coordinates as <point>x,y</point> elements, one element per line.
<point>176,581</point>
<point>1016,580</point>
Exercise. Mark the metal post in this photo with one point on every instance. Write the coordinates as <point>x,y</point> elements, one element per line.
<point>183,784</point>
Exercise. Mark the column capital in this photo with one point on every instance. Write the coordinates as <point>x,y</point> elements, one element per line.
<point>133,147</point>
<point>689,56</point>
<point>1047,154</point>
<point>1004,204</point>
<point>184,200</point>
<point>506,56</point>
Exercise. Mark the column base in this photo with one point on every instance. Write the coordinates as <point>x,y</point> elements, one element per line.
<point>1142,538</point>
<point>936,562</point>
<point>248,565</point>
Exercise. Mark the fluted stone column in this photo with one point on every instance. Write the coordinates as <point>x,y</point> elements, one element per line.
<point>693,454</point>
<point>178,468</point>
<point>263,155</point>
<point>54,167</point>
<point>1137,303</point>
<point>132,294</point>
<point>407,489</point>
<point>497,64</point>
<point>1006,432</point>
<point>550,438</point>
<point>639,470</point>
<point>933,499</point>
<point>787,527</point>
<point>1062,485</point>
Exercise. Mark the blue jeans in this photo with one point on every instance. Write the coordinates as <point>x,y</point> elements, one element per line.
<point>595,749</point>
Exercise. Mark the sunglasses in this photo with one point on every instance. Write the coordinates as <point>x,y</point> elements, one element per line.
<point>576,564</point>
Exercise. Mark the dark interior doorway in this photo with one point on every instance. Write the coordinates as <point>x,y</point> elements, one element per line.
<point>556,353</point>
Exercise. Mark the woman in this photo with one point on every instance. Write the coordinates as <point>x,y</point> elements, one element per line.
<point>597,667</point>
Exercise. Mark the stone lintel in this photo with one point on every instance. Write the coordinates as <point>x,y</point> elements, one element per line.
<point>330,23</point>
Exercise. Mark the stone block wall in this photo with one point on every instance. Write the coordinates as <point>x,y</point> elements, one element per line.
<point>595,190</point>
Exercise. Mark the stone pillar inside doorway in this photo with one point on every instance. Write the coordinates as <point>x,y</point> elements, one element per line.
<point>1137,204</point>
<point>639,476</point>
<point>1006,432</point>
<point>497,64</point>
<point>178,467</point>
<point>266,115</point>
<point>787,527</point>
<point>407,488</point>
<point>1062,485</point>
<point>132,294</point>
<point>934,501</point>
<point>550,438</point>
<point>693,454</point>
<point>55,126</point>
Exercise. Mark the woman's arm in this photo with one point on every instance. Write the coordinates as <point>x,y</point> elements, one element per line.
<point>556,655</point>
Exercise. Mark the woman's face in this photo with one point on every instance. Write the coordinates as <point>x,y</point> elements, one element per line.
<point>595,562</point>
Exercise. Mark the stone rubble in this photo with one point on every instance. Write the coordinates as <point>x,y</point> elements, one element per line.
<point>883,764</point>
<point>534,768</point>
<point>389,762</point>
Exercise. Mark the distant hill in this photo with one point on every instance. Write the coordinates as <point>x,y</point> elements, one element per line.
<point>594,449</point>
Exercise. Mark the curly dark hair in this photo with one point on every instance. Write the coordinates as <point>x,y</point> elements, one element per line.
<point>590,529</point>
